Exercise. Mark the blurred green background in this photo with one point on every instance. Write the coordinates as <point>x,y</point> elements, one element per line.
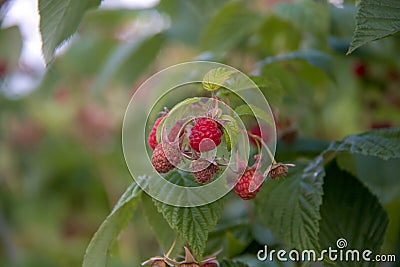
<point>61,161</point>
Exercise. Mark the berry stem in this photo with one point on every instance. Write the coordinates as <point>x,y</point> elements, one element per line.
<point>172,246</point>
<point>213,107</point>
<point>244,143</point>
<point>329,158</point>
<point>164,112</point>
<point>225,161</point>
<point>187,156</point>
<point>259,139</point>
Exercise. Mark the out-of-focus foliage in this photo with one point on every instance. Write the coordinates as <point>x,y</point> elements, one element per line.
<point>61,161</point>
<point>375,20</point>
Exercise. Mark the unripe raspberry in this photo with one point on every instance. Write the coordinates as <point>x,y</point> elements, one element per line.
<point>165,157</point>
<point>175,130</point>
<point>203,129</point>
<point>203,171</point>
<point>249,178</point>
<point>152,140</point>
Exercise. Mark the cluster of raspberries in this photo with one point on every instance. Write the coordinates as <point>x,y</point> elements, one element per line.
<point>204,136</point>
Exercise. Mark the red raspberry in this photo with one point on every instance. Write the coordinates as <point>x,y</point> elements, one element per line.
<point>360,69</point>
<point>3,68</point>
<point>381,124</point>
<point>242,187</point>
<point>152,140</point>
<point>255,130</point>
<point>203,129</point>
<point>165,157</point>
<point>203,170</point>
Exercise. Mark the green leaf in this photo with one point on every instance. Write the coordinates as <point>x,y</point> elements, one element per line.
<point>90,47</point>
<point>290,207</point>
<point>184,105</point>
<point>382,143</point>
<point>299,78</point>
<point>192,223</point>
<point>107,21</point>
<point>277,36</point>
<point>307,15</point>
<point>343,21</point>
<point>271,89</point>
<point>350,211</point>
<point>178,111</point>
<point>97,251</point>
<point>129,61</point>
<point>215,78</point>
<point>233,236</point>
<point>59,20</point>
<point>10,46</point>
<point>380,176</point>
<point>164,234</point>
<point>231,131</point>
<point>235,245</point>
<point>375,20</point>
<point>231,25</point>
<point>316,58</point>
<point>393,229</point>
<point>188,18</point>
<point>254,111</point>
<point>139,59</point>
<point>301,147</point>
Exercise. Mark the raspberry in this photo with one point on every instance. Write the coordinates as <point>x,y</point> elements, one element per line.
<point>152,140</point>
<point>159,263</point>
<point>3,68</point>
<point>203,170</point>
<point>360,69</point>
<point>192,264</point>
<point>279,169</point>
<point>165,157</point>
<point>289,135</point>
<point>242,187</point>
<point>255,130</point>
<point>381,124</point>
<point>203,129</point>
<point>175,130</point>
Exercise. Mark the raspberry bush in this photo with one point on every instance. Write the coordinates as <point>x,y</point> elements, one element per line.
<point>331,79</point>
